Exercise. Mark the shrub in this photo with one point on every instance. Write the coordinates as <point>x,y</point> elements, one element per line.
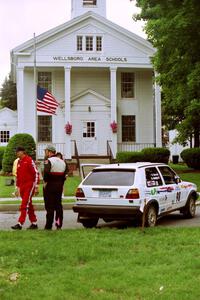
<point>191,157</point>
<point>131,157</point>
<point>148,154</point>
<point>2,149</point>
<point>20,139</point>
<point>158,155</point>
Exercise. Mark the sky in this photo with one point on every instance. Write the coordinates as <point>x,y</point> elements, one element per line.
<point>20,19</point>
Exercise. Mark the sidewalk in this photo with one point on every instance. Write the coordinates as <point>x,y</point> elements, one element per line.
<point>38,206</point>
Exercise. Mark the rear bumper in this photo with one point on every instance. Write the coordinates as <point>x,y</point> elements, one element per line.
<point>107,211</point>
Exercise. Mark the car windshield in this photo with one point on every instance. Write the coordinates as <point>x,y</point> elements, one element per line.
<point>117,177</point>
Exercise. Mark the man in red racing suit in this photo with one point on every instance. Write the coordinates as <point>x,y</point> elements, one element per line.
<point>27,184</point>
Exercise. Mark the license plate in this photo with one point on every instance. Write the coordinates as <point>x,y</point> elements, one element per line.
<point>105,194</point>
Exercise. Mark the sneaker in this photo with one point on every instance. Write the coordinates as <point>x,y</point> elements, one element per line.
<point>17,227</point>
<point>33,226</point>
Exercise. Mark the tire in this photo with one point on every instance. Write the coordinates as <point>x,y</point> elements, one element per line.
<point>89,223</point>
<point>189,210</point>
<point>107,220</point>
<point>150,216</point>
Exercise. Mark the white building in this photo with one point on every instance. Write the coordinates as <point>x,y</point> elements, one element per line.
<point>8,125</point>
<point>100,73</point>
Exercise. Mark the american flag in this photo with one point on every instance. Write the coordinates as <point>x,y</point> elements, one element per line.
<point>46,101</point>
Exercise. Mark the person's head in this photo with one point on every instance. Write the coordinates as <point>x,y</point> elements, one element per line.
<point>59,154</point>
<point>20,152</point>
<point>50,151</point>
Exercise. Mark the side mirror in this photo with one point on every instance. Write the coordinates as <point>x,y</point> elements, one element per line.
<point>177,179</point>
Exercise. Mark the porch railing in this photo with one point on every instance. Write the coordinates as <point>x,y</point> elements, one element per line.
<point>133,146</point>
<point>60,147</point>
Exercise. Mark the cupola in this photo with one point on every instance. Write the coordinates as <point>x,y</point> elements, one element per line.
<point>79,7</point>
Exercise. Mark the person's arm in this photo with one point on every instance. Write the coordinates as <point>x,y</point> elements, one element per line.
<point>36,175</point>
<point>47,169</point>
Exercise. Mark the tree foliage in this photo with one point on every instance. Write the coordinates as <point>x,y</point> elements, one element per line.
<point>19,139</point>
<point>8,94</point>
<point>173,28</point>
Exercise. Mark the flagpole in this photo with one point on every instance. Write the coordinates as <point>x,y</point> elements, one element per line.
<point>35,97</point>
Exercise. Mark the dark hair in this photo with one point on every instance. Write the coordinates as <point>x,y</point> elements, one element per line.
<point>20,148</point>
<point>59,154</point>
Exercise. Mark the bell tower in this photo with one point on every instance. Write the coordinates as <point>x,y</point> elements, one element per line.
<point>79,7</point>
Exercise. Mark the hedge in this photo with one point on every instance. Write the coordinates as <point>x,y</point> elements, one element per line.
<point>2,149</point>
<point>159,155</point>
<point>20,139</point>
<point>191,157</point>
<point>131,157</point>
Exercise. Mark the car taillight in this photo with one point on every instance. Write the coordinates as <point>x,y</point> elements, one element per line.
<point>80,193</point>
<point>133,194</point>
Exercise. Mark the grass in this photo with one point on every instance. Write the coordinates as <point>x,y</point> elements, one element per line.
<point>102,264</point>
<point>69,188</point>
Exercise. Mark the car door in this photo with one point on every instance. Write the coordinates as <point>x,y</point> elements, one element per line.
<point>170,187</point>
<point>154,185</point>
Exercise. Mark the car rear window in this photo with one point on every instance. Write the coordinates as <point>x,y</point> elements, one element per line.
<point>107,177</point>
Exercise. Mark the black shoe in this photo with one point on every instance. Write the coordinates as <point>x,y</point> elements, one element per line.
<point>17,227</point>
<point>33,226</point>
<point>58,227</point>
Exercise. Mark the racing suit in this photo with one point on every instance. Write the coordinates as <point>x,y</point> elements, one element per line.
<point>27,179</point>
<point>55,170</point>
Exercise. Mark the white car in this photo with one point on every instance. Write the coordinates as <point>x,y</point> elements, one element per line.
<point>125,191</point>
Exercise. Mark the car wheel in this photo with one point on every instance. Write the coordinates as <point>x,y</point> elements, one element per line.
<point>89,223</point>
<point>107,220</point>
<point>150,216</point>
<point>190,209</point>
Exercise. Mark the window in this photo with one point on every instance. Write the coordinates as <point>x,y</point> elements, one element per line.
<point>152,177</point>
<point>4,136</point>
<point>88,129</point>
<point>109,177</point>
<point>89,43</point>
<point>44,128</point>
<point>168,175</point>
<point>127,85</point>
<point>89,2</point>
<point>45,80</point>
<point>128,128</point>
<point>98,43</point>
<point>79,43</point>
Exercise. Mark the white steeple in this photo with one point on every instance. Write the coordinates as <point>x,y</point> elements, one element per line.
<point>79,7</point>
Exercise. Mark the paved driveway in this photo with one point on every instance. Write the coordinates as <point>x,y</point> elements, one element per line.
<point>7,219</point>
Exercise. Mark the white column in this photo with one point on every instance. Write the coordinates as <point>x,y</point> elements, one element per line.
<point>113,96</point>
<point>158,123</point>
<point>20,99</point>
<point>68,110</point>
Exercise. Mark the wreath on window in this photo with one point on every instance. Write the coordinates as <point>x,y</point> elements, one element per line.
<point>68,128</point>
<point>113,126</point>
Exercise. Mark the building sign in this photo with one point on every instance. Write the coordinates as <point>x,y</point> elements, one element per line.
<point>90,59</point>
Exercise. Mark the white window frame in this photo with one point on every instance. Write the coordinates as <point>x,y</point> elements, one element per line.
<point>123,97</point>
<point>92,38</point>
<point>89,3</point>
<point>96,39</point>
<point>4,136</point>
<point>79,43</point>
<point>135,129</point>
<point>51,134</point>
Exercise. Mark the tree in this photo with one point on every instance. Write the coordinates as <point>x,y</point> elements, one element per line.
<point>19,139</point>
<point>173,29</point>
<point>8,94</point>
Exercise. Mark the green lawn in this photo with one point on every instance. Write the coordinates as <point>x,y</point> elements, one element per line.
<point>69,188</point>
<point>102,264</point>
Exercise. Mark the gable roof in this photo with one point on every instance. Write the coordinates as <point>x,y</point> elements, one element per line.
<point>91,92</point>
<point>89,15</point>
<point>6,109</point>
